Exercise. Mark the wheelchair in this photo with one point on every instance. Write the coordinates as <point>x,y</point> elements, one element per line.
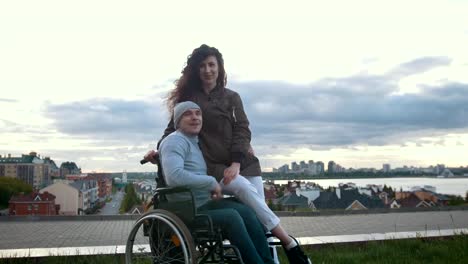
<point>173,232</point>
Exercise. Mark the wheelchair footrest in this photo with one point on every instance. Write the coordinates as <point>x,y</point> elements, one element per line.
<point>232,253</point>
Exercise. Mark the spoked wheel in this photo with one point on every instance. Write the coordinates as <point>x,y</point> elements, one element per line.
<point>160,237</point>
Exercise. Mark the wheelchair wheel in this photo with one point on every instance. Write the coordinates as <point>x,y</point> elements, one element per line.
<point>160,237</point>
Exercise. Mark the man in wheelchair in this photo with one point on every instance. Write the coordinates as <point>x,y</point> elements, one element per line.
<point>183,165</point>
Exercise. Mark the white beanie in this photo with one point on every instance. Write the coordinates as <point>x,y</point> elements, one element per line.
<point>180,109</point>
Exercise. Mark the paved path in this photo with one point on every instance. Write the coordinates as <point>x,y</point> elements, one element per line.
<point>90,233</point>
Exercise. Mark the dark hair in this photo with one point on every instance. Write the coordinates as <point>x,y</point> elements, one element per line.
<point>190,79</point>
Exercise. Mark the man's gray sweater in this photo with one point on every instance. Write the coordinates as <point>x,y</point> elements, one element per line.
<point>183,165</point>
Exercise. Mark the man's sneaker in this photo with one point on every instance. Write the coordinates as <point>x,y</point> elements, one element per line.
<point>296,256</point>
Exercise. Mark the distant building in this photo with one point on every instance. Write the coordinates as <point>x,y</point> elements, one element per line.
<point>412,201</point>
<point>312,170</point>
<point>76,177</point>
<point>292,201</point>
<point>348,199</point>
<point>439,168</point>
<point>446,173</point>
<point>69,167</point>
<point>88,196</point>
<point>103,180</point>
<point>30,168</point>
<point>54,171</point>
<point>331,166</point>
<point>124,176</point>
<point>311,193</point>
<point>431,197</point>
<point>339,168</point>
<point>295,167</point>
<point>34,203</point>
<point>320,167</point>
<point>66,196</point>
<point>386,168</point>
<point>75,198</point>
<point>284,169</point>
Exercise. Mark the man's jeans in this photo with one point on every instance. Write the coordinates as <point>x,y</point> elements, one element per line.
<point>240,225</point>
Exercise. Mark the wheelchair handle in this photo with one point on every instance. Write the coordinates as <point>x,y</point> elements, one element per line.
<point>143,161</point>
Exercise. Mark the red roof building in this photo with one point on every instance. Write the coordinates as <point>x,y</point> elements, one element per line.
<point>33,204</point>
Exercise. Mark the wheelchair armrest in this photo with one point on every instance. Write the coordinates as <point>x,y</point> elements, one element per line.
<point>170,190</point>
<point>184,206</point>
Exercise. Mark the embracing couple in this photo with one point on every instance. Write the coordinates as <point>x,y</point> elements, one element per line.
<point>206,147</point>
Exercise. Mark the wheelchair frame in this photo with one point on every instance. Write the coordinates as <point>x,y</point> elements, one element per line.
<point>174,233</point>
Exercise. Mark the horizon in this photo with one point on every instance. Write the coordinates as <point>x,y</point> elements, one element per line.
<point>362,83</point>
<point>267,170</point>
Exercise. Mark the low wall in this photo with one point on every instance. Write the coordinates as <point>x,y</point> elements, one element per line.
<point>279,213</point>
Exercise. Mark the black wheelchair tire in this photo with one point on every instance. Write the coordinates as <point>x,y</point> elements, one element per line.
<point>171,224</point>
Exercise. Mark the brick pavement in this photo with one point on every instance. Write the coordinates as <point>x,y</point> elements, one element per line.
<point>89,233</point>
<point>374,223</point>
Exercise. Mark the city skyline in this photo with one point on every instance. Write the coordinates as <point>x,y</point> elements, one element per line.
<point>294,166</point>
<point>318,166</point>
<point>384,83</point>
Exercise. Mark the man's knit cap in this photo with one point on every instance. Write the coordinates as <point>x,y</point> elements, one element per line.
<point>180,109</point>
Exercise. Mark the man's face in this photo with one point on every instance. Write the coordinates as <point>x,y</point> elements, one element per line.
<point>191,122</point>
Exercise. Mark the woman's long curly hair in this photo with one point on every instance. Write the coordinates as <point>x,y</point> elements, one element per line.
<point>190,79</point>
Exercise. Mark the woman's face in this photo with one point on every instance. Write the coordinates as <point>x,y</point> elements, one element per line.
<point>209,71</point>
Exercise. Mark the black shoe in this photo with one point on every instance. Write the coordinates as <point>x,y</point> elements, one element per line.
<point>296,256</point>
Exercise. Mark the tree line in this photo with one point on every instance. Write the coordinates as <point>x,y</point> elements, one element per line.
<point>130,199</point>
<point>11,186</point>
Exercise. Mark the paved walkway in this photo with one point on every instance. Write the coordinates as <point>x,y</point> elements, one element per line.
<point>93,233</point>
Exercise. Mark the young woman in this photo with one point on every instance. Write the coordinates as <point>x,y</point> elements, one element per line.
<point>225,138</point>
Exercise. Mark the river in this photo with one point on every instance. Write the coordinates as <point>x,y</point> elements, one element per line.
<point>455,186</point>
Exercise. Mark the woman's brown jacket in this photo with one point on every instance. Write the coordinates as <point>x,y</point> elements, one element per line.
<point>225,135</point>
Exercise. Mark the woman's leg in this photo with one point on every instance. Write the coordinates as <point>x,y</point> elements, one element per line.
<point>247,190</point>
<point>257,181</point>
<point>293,250</point>
<point>247,193</point>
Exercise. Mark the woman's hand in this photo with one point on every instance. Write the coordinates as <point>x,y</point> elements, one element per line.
<point>152,156</point>
<point>231,172</point>
<point>216,193</point>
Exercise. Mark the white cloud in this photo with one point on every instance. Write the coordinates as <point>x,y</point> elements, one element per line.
<point>100,54</point>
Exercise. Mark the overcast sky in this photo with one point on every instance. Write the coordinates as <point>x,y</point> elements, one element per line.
<point>359,82</point>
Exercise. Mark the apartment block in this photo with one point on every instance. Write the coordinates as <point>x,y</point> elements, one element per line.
<point>30,168</point>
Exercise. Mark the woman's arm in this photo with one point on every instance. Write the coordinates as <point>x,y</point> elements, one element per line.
<point>241,134</point>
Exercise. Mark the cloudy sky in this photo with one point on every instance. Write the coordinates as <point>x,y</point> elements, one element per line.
<point>361,83</point>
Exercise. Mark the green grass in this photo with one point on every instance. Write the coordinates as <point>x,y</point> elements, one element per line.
<point>434,250</point>
<point>105,259</point>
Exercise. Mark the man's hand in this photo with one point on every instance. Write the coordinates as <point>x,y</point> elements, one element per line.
<point>216,193</point>
<point>231,172</point>
<point>152,156</point>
